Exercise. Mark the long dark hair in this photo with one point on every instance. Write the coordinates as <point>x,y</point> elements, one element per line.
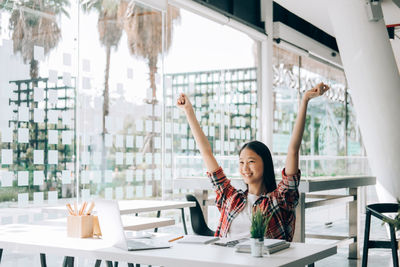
<point>268,175</point>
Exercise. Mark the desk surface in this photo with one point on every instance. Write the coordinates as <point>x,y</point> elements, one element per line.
<point>308,185</point>
<point>137,206</point>
<point>130,223</point>
<point>52,240</point>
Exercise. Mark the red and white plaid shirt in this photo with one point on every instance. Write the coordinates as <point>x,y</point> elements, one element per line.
<point>281,203</point>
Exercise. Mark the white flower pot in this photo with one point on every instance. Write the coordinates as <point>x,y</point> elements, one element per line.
<point>257,247</point>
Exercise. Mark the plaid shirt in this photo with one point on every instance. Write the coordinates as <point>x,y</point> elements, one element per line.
<point>281,203</point>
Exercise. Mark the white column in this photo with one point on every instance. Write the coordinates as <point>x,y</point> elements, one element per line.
<point>266,103</point>
<point>374,82</point>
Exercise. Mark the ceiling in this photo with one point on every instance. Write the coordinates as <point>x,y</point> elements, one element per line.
<point>315,12</point>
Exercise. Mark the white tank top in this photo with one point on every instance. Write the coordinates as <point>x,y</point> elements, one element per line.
<point>240,226</point>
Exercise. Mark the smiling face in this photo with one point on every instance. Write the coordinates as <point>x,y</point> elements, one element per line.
<point>251,167</point>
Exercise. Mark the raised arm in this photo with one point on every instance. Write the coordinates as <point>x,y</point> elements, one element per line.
<point>201,140</point>
<point>292,159</point>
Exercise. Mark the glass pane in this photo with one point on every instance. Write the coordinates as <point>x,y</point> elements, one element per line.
<point>38,92</point>
<point>216,66</point>
<point>330,134</point>
<point>121,99</point>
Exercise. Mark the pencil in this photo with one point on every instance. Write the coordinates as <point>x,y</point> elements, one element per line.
<point>177,238</point>
<point>83,208</point>
<point>70,209</point>
<point>75,208</point>
<point>90,208</point>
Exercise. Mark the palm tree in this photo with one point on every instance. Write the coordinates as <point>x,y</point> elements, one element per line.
<point>110,26</point>
<point>33,23</point>
<point>144,28</point>
<point>144,31</point>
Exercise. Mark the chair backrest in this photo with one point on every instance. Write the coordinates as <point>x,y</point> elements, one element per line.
<point>199,224</point>
<point>378,209</point>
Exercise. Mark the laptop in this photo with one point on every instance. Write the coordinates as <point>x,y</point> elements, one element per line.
<point>113,231</point>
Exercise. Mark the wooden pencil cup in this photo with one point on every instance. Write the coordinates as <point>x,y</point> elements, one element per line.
<point>96,227</point>
<point>80,226</point>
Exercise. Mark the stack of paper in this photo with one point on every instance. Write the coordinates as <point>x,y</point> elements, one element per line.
<point>270,246</point>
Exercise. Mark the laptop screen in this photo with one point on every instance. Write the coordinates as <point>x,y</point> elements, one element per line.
<point>110,223</point>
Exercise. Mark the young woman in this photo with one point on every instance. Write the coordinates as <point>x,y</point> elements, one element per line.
<point>257,171</point>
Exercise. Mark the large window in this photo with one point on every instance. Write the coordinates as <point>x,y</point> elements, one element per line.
<point>332,142</point>
<point>216,66</point>
<point>38,85</point>
<point>88,92</point>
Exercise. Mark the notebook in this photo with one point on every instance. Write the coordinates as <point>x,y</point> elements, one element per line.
<point>270,246</point>
<point>113,231</point>
<point>198,239</point>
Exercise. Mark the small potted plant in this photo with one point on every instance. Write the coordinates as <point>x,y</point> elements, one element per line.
<point>259,224</point>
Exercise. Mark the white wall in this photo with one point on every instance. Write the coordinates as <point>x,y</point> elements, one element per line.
<point>374,80</point>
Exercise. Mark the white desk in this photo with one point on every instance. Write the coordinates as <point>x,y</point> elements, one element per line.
<point>138,206</point>
<point>52,239</point>
<point>130,223</point>
<point>307,187</point>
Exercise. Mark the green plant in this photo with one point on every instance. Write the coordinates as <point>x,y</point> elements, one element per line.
<point>259,223</point>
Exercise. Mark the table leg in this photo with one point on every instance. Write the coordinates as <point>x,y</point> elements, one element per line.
<point>183,221</point>
<point>110,264</point>
<point>43,260</point>
<point>300,227</point>
<point>311,265</point>
<point>1,253</point>
<point>353,223</point>
<point>68,261</point>
<point>158,216</point>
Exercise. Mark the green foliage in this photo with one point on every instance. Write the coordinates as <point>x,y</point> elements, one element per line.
<point>259,223</point>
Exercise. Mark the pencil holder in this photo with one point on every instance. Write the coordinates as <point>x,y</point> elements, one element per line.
<point>96,227</point>
<point>80,226</point>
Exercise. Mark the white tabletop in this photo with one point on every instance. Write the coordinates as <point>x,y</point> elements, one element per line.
<point>52,240</point>
<point>136,223</point>
<point>137,206</point>
<point>307,185</point>
<point>130,223</point>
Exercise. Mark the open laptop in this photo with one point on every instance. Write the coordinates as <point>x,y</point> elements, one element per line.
<point>113,232</point>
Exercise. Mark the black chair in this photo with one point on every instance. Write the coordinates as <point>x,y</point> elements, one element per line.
<point>199,225</point>
<point>376,210</point>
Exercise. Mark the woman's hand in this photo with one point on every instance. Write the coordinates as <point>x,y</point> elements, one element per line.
<point>318,90</point>
<point>183,102</point>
